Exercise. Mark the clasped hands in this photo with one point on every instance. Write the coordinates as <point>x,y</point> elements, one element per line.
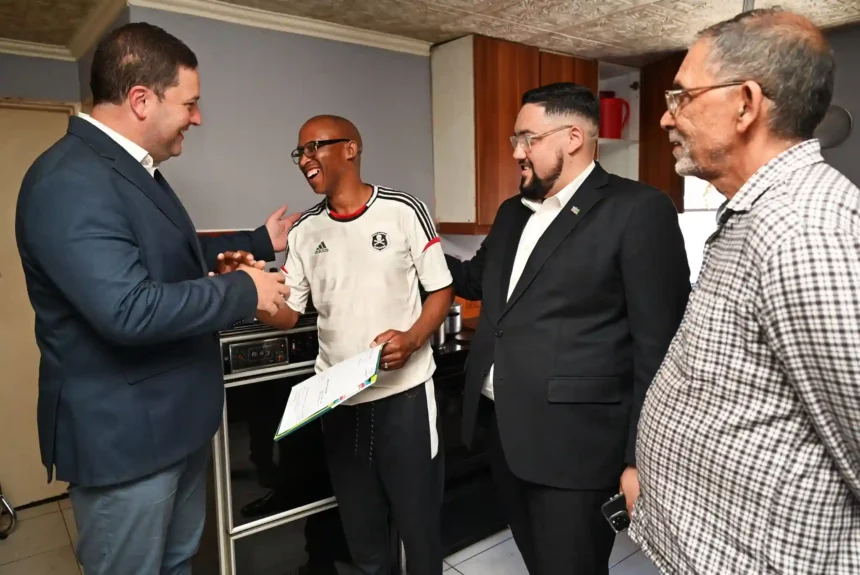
<point>399,345</point>
<point>272,292</point>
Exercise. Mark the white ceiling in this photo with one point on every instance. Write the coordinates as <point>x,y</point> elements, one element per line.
<point>613,30</point>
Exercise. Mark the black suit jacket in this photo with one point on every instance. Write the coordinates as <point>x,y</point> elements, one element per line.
<point>130,378</point>
<point>583,333</point>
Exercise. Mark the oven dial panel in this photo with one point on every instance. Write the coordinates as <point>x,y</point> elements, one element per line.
<point>258,353</point>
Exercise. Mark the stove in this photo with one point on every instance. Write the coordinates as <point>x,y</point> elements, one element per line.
<point>274,497</point>
<point>252,351</point>
<point>275,507</point>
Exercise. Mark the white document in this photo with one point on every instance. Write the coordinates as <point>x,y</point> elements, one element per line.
<point>322,392</point>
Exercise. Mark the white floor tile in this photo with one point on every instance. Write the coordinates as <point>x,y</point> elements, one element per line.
<point>636,564</point>
<point>34,537</point>
<point>622,549</point>
<point>503,559</point>
<point>38,511</point>
<point>478,548</point>
<point>59,561</point>
<point>71,526</point>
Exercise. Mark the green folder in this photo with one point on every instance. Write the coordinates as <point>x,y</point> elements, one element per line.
<point>331,404</point>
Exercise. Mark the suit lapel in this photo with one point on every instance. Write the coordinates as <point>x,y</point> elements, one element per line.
<point>130,169</point>
<point>512,240</point>
<point>188,229</point>
<point>586,197</point>
<point>136,174</point>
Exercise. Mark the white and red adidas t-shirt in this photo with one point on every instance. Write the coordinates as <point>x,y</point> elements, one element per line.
<point>363,271</point>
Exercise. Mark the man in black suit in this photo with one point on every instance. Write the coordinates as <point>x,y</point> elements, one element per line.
<point>583,280</point>
<point>130,382</point>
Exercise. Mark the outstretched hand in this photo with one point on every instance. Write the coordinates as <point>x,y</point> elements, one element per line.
<point>278,225</point>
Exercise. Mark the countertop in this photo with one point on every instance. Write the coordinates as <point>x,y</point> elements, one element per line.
<point>451,357</point>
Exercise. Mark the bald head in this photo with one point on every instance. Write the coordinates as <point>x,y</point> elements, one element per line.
<point>332,127</point>
<point>787,55</point>
<point>329,153</point>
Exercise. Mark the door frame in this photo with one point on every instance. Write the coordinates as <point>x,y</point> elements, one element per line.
<point>72,108</point>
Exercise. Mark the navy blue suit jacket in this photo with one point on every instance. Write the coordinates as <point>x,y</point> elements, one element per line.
<point>130,378</point>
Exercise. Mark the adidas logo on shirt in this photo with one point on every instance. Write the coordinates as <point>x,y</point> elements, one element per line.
<point>321,248</point>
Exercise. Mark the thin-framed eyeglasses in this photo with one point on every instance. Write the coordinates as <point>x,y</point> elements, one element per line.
<point>310,149</point>
<point>526,139</point>
<point>676,96</point>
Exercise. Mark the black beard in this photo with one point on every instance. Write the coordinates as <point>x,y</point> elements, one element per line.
<point>539,187</point>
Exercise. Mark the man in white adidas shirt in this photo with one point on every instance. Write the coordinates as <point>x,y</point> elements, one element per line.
<point>361,254</point>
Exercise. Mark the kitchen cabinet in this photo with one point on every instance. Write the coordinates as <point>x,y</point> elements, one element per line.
<point>619,153</point>
<point>560,68</point>
<point>477,86</point>
<point>657,165</point>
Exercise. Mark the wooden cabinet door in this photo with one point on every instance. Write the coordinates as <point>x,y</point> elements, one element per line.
<point>560,68</point>
<point>503,72</point>
<point>656,163</point>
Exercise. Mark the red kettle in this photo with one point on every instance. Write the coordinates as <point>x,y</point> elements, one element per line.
<point>614,114</point>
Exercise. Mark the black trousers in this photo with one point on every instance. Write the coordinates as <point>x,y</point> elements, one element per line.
<point>379,461</point>
<point>558,531</point>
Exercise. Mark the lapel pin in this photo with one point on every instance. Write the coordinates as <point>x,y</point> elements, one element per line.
<point>575,210</point>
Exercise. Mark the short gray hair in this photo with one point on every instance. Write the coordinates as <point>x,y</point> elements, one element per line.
<point>786,55</point>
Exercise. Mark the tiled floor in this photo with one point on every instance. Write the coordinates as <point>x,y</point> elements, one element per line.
<point>43,544</point>
<point>498,555</point>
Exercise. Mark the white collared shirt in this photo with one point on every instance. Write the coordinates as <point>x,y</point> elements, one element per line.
<point>544,214</point>
<point>138,153</point>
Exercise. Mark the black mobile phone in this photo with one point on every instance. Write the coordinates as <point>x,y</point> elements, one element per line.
<point>615,511</point>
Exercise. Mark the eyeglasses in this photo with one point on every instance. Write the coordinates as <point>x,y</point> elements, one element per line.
<point>310,149</point>
<point>675,97</point>
<point>526,140</point>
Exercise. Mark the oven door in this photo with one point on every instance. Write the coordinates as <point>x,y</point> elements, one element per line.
<point>471,510</point>
<point>281,511</point>
<point>269,477</point>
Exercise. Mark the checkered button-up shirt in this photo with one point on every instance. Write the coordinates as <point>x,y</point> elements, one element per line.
<point>749,439</point>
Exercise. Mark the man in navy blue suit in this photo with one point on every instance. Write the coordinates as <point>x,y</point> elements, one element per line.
<point>130,386</point>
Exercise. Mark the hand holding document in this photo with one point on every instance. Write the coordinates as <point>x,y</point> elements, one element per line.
<point>324,391</point>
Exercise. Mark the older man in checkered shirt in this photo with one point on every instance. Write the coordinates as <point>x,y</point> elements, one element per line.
<point>749,440</point>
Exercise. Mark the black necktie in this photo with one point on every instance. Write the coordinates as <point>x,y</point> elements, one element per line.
<point>190,231</point>
<point>174,198</point>
<point>166,187</point>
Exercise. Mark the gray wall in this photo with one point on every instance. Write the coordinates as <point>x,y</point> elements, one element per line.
<point>38,78</point>
<point>86,60</point>
<point>46,79</point>
<point>846,47</point>
<point>259,86</point>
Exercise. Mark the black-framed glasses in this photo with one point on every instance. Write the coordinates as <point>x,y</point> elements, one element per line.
<point>526,139</point>
<point>310,149</point>
<point>675,97</point>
